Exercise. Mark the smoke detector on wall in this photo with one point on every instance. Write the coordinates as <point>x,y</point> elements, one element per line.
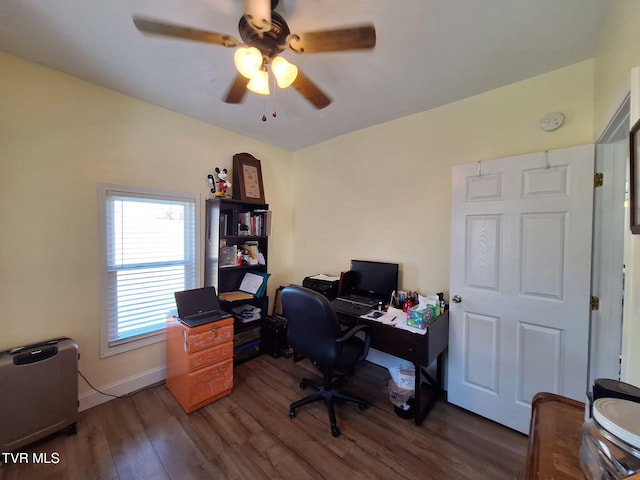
<point>551,121</point>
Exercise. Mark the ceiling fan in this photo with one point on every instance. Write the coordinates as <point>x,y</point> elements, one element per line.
<point>265,35</point>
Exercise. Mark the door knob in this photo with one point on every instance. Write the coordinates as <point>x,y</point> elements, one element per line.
<point>456,299</point>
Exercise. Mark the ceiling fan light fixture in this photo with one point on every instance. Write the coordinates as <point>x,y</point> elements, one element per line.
<point>248,61</point>
<point>284,71</point>
<point>258,14</point>
<point>259,83</point>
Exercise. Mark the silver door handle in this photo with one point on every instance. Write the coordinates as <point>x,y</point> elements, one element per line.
<point>456,299</point>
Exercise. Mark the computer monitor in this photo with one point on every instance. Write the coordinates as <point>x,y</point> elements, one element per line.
<point>373,279</point>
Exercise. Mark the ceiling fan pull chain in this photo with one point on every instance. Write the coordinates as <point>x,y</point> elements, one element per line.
<point>273,81</point>
<point>264,109</point>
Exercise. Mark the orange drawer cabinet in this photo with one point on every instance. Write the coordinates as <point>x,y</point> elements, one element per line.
<point>200,362</point>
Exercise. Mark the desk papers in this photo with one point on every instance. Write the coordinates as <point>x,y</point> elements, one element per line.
<point>390,317</point>
<point>325,278</point>
<point>251,283</point>
<point>254,285</point>
<point>235,296</point>
<point>395,318</point>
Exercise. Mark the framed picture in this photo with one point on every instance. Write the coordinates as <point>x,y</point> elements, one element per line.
<point>247,175</point>
<point>634,173</point>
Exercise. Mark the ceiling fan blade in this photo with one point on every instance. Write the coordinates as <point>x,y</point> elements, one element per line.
<point>169,30</point>
<point>237,90</point>
<point>258,14</point>
<point>310,91</point>
<point>350,38</point>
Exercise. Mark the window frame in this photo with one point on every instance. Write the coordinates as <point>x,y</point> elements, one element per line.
<point>104,191</point>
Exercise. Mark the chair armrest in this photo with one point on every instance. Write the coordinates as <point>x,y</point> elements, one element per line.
<point>351,332</point>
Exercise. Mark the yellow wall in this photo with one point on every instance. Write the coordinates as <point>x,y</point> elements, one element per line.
<point>619,52</point>
<point>383,193</point>
<point>59,137</point>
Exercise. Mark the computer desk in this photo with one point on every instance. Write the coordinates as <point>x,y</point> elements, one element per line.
<point>420,350</point>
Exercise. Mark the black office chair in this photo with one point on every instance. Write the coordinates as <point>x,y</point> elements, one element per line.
<point>313,331</point>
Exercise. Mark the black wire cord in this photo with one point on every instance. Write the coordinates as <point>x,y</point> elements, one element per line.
<point>126,395</point>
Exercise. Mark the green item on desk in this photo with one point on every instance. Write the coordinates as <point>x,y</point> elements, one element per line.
<point>421,317</point>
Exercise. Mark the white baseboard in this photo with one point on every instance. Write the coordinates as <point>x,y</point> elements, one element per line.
<point>122,387</point>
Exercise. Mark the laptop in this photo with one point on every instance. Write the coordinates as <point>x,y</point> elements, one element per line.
<point>368,285</point>
<point>199,306</point>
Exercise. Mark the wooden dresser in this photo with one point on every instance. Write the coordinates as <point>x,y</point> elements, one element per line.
<point>554,438</point>
<point>199,362</point>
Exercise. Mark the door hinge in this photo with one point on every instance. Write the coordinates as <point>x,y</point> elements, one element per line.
<point>595,304</point>
<point>598,179</point>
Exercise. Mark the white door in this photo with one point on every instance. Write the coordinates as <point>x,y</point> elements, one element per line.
<point>520,265</point>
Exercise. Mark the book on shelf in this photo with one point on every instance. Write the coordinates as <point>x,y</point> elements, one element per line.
<point>267,223</point>
<point>256,223</point>
<point>224,224</point>
<point>262,222</point>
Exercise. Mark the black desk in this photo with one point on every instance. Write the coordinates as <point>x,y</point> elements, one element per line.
<point>421,350</point>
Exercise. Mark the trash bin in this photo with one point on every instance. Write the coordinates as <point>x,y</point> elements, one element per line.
<point>401,390</point>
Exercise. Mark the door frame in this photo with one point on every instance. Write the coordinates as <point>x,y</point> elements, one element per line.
<point>605,344</point>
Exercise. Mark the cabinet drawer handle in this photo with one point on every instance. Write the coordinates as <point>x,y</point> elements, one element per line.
<point>184,341</point>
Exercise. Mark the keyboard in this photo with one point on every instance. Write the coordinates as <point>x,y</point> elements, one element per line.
<point>360,299</point>
<point>350,308</point>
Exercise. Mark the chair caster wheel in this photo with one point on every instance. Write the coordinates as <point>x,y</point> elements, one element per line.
<point>363,406</point>
<point>335,431</point>
<point>292,413</point>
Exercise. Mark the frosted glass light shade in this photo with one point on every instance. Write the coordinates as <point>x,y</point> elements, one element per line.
<point>284,71</point>
<point>248,61</point>
<point>259,83</point>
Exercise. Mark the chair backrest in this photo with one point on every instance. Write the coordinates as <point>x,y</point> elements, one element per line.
<point>312,325</point>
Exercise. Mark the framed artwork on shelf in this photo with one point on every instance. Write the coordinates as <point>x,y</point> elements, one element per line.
<point>247,175</point>
<point>634,173</point>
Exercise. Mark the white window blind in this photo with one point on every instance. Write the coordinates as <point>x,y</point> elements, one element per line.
<point>150,254</point>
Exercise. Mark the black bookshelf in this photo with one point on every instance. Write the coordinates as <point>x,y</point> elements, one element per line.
<point>232,226</point>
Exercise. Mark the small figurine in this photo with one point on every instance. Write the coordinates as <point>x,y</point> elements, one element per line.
<point>223,183</point>
<point>219,187</point>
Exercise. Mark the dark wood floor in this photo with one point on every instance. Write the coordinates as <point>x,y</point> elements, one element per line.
<point>248,435</point>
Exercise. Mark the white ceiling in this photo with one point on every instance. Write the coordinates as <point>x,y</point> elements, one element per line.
<point>428,53</point>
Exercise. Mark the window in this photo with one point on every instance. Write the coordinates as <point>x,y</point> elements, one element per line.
<point>149,251</point>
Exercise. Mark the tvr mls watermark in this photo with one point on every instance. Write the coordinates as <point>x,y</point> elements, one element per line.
<point>33,457</point>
